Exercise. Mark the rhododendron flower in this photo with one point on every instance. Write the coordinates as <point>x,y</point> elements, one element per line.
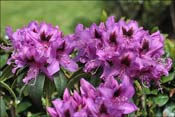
<point>108,99</point>
<point>122,49</point>
<point>41,47</point>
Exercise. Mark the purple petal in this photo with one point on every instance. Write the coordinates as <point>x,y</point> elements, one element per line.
<point>87,89</point>
<point>92,107</point>
<point>127,108</point>
<point>68,64</point>
<point>53,67</point>
<point>31,74</point>
<point>77,97</point>
<point>52,112</point>
<point>58,104</point>
<point>9,32</point>
<point>66,95</point>
<point>126,88</point>
<point>110,21</point>
<point>79,28</point>
<point>106,92</point>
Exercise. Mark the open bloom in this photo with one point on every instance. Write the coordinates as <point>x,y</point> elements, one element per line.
<point>109,99</point>
<point>122,49</point>
<point>41,47</point>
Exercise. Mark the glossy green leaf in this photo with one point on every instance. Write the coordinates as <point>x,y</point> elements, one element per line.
<point>161,100</point>
<point>148,91</point>
<point>60,81</point>
<point>3,112</point>
<point>35,89</point>
<point>23,106</point>
<point>170,47</point>
<point>80,71</point>
<point>76,79</point>
<point>3,60</point>
<point>6,74</point>
<point>169,110</point>
<point>168,78</point>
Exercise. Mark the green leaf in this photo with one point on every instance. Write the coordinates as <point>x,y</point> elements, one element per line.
<point>161,100</point>
<point>76,79</point>
<point>60,81</point>
<point>3,112</point>
<point>154,29</point>
<point>104,16</point>
<point>6,74</point>
<point>168,78</point>
<point>40,114</point>
<point>169,110</point>
<point>35,89</point>
<point>3,60</point>
<point>148,91</point>
<point>23,106</point>
<point>170,47</point>
<point>80,71</point>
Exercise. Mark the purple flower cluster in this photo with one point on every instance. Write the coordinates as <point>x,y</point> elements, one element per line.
<point>108,100</point>
<point>41,47</point>
<point>121,49</point>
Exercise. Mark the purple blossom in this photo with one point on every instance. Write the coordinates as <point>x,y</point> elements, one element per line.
<point>109,99</point>
<point>42,48</point>
<point>121,49</point>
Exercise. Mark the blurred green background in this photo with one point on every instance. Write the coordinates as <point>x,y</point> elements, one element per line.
<point>152,14</point>
<point>63,13</point>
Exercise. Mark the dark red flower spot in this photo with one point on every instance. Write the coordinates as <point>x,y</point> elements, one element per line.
<point>113,37</point>
<point>128,33</point>
<point>126,60</point>
<point>97,34</point>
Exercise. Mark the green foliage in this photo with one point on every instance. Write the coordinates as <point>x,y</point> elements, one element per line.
<point>60,81</point>
<point>23,106</point>
<point>154,102</point>
<point>161,100</point>
<point>169,78</point>
<point>35,89</point>
<point>2,108</point>
<point>104,16</point>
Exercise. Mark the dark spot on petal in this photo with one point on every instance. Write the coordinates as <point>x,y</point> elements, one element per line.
<point>145,46</point>
<point>126,60</point>
<point>67,113</point>
<point>99,45</point>
<point>30,60</point>
<point>128,33</point>
<point>43,37</point>
<point>97,34</point>
<point>103,109</point>
<point>48,37</point>
<point>102,81</point>
<point>62,47</point>
<point>46,64</point>
<point>34,30</point>
<point>117,93</point>
<point>113,37</point>
<point>109,62</point>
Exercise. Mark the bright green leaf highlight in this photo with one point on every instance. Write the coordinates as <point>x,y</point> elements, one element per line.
<point>161,100</point>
